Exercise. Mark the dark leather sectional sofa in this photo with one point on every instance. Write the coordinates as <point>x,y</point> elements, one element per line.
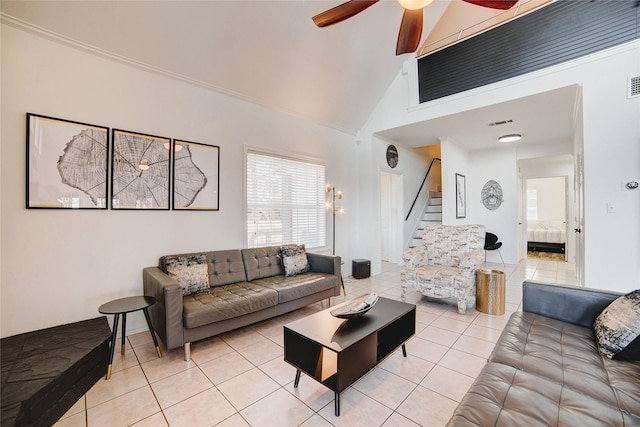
<point>546,370</point>
<point>246,286</point>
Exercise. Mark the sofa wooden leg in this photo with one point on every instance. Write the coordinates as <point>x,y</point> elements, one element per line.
<point>187,351</point>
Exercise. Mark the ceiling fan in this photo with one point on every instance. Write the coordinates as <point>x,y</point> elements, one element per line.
<point>411,25</point>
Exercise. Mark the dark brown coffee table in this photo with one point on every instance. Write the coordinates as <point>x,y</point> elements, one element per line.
<point>337,352</point>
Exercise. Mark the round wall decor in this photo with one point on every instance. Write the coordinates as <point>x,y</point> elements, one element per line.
<point>491,195</point>
<point>392,156</point>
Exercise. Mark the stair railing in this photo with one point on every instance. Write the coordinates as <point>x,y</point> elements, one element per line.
<point>420,189</point>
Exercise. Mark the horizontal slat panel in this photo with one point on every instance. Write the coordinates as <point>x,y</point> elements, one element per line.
<point>560,32</point>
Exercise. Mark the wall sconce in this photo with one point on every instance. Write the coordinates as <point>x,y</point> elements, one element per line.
<point>334,208</point>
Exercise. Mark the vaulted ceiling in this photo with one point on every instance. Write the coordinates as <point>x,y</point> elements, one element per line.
<point>267,52</point>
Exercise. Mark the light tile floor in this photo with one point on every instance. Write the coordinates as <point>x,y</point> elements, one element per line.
<point>240,379</point>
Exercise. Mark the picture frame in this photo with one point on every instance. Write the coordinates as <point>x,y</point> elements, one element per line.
<point>461,196</point>
<point>196,176</point>
<point>67,164</point>
<point>141,171</point>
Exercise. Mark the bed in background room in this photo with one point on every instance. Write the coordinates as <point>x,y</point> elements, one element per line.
<point>546,236</point>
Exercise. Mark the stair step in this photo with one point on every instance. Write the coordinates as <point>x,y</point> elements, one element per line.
<point>424,223</point>
<point>432,216</point>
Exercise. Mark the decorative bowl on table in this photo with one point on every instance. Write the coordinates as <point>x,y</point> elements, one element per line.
<point>356,307</point>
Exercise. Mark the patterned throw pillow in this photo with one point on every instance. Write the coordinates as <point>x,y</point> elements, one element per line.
<point>190,271</point>
<point>617,328</point>
<point>294,260</point>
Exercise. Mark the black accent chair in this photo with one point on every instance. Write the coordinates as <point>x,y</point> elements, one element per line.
<point>491,244</point>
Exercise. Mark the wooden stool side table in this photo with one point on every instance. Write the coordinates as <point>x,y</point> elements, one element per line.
<point>123,306</point>
<point>490,290</point>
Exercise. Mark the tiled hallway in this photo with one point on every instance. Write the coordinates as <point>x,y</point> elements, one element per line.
<point>240,378</point>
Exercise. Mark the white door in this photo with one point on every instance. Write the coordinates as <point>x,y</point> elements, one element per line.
<point>522,220</point>
<point>391,221</point>
<point>385,208</point>
<point>579,219</point>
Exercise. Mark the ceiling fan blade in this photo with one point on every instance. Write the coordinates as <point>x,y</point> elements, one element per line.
<point>494,4</point>
<point>342,12</point>
<point>410,31</point>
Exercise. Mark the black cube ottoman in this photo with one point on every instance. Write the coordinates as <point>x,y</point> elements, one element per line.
<point>361,268</point>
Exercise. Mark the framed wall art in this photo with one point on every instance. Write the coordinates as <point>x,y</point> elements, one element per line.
<point>141,167</point>
<point>491,195</point>
<point>461,196</point>
<point>196,176</point>
<point>67,164</point>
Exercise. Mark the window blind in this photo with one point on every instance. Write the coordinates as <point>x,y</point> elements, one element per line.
<point>285,201</point>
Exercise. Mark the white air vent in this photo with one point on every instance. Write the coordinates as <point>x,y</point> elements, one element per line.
<point>501,122</point>
<point>634,87</point>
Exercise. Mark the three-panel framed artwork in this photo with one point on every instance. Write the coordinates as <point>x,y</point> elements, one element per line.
<point>74,165</point>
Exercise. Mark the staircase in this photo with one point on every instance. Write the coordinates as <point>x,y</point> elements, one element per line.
<point>431,215</point>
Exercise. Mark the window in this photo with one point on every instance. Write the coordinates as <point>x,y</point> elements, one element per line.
<point>285,201</point>
<point>532,204</point>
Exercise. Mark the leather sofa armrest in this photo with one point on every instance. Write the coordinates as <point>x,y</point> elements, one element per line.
<point>470,263</point>
<point>320,263</point>
<point>166,314</point>
<point>570,304</point>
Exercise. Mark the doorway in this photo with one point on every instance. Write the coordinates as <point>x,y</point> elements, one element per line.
<point>391,217</point>
<point>547,218</point>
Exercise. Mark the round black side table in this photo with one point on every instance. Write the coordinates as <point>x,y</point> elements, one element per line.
<point>124,306</point>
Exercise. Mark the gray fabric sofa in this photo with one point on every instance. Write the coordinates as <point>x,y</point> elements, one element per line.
<point>546,370</point>
<point>246,286</point>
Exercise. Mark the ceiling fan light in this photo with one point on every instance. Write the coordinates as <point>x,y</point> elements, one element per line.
<point>513,137</point>
<point>414,4</point>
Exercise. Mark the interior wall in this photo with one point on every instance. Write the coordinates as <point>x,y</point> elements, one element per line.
<point>500,166</point>
<point>551,198</point>
<point>372,162</point>
<point>610,141</point>
<point>455,160</point>
<point>59,266</point>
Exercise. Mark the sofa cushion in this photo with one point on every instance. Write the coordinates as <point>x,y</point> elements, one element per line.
<point>262,262</point>
<point>618,328</point>
<point>225,267</point>
<point>226,302</point>
<point>294,260</point>
<point>298,286</point>
<point>567,354</point>
<point>436,281</point>
<point>190,270</point>
<point>503,395</point>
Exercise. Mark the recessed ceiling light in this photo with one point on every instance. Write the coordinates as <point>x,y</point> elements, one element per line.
<point>510,138</point>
